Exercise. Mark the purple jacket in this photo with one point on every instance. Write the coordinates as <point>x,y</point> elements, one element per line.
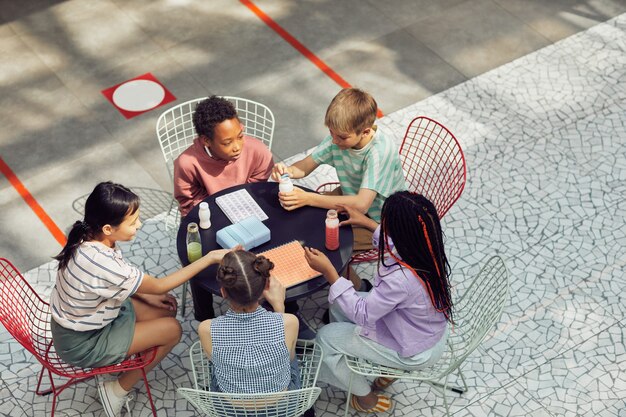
<point>397,313</point>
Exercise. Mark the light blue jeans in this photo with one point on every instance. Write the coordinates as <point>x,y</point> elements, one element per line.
<point>341,338</point>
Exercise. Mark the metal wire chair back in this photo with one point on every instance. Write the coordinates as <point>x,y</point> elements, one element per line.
<point>26,316</point>
<point>276,404</point>
<point>475,313</point>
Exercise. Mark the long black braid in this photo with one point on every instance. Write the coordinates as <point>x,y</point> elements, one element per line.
<point>411,221</point>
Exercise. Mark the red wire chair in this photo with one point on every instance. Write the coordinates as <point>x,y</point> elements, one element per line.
<point>27,318</point>
<point>433,165</point>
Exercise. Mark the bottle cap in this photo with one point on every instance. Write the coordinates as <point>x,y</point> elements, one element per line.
<point>192,227</point>
<point>204,205</point>
<point>285,177</point>
<point>331,214</point>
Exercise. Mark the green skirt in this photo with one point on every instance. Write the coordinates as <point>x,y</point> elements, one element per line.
<point>95,348</point>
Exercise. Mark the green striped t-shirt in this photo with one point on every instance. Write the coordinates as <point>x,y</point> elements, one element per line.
<point>375,167</point>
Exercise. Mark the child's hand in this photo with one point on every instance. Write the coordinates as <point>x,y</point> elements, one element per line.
<point>356,218</point>
<point>294,199</point>
<point>320,262</point>
<point>164,301</point>
<point>274,293</point>
<point>278,170</point>
<point>215,256</point>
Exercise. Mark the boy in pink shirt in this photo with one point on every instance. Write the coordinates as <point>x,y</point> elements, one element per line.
<point>220,157</point>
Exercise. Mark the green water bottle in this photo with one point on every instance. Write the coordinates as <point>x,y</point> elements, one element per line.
<point>194,244</point>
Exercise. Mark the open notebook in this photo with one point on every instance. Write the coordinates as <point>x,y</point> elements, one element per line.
<point>290,266</point>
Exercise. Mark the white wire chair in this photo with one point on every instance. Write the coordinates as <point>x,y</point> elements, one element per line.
<point>257,119</point>
<point>276,404</point>
<point>476,312</point>
<point>154,202</point>
<point>176,133</point>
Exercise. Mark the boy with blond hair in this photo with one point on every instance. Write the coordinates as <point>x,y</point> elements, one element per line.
<point>367,163</point>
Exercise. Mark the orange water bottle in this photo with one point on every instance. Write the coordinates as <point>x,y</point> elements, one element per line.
<point>332,230</point>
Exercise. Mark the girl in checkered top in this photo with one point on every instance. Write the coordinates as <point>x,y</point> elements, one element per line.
<point>252,349</point>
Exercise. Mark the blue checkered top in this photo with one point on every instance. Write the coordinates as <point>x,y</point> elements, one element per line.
<point>249,352</point>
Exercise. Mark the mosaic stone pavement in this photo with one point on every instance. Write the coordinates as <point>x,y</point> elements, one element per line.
<point>545,141</point>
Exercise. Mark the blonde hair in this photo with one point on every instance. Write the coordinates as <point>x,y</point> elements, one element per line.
<point>351,111</point>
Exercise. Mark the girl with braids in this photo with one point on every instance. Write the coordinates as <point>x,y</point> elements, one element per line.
<point>403,321</point>
<point>105,309</point>
<point>252,349</point>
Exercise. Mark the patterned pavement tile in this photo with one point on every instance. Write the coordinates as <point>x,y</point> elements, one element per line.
<point>510,401</point>
<point>544,142</point>
<point>585,380</point>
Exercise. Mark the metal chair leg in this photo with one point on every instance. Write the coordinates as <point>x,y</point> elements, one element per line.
<point>445,397</point>
<point>349,394</point>
<point>145,381</point>
<point>184,299</point>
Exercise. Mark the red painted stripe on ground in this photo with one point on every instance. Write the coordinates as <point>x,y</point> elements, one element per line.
<point>299,46</point>
<point>32,203</point>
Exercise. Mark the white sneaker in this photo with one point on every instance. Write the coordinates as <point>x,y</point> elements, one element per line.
<point>111,403</point>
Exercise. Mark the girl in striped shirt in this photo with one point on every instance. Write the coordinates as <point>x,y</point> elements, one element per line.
<point>105,309</point>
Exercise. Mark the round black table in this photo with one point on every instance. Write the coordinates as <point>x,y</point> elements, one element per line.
<point>305,224</point>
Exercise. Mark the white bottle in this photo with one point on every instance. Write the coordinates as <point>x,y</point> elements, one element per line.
<point>205,215</point>
<point>285,185</point>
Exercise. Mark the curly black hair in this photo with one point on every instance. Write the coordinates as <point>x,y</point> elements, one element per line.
<point>210,112</point>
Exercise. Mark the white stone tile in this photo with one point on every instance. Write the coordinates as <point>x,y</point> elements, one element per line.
<point>583,380</point>
<point>543,138</point>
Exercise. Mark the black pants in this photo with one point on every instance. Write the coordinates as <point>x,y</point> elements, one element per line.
<point>202,301</point>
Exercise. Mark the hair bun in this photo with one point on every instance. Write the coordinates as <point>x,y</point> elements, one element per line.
<point>263,266</point>
<point>227,276</point>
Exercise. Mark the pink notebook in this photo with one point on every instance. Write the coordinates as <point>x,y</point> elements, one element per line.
<point>290,266</point>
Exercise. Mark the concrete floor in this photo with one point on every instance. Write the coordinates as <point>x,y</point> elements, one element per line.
<point>60,136</point>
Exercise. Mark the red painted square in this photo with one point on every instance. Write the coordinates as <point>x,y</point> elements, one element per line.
<point>138,95</point>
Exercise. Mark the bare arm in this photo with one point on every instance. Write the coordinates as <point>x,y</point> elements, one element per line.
<point>291,333</point>
<point>300,169</point>
<point>164,301</point>
<point>152,285</point>
<point>204,331</point>
<point>274,294</point>
<point>356,218</point>
<point>319,261</point>
<point>299,198</point>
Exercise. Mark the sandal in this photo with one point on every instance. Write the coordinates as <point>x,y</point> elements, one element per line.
<point>382,383</point>
<point>383,405</point>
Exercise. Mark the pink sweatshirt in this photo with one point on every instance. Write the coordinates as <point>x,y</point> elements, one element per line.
<point>197,175</point>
